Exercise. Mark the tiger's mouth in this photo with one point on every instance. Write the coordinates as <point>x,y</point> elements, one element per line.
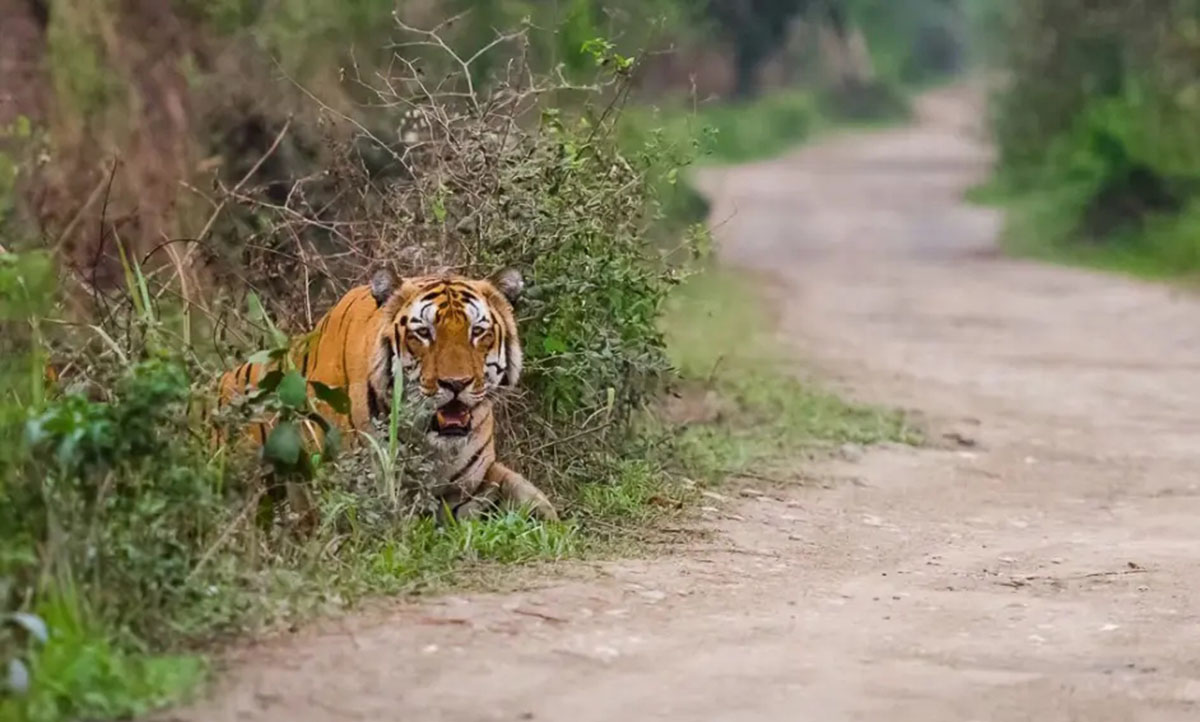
<point>451,419</point>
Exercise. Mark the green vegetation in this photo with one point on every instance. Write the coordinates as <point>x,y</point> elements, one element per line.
<point>80,673</point>
<point>1097,135</point>
<point>905,41</point>
<point>759,128</point>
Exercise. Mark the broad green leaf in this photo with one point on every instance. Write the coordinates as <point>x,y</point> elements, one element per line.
<point>260,357</point>
<point>255,309</point>
<point>335,396</point>
<point>553,344</point>
<point>439,206</point>
<point>283,445</point>
<point>293,390</point>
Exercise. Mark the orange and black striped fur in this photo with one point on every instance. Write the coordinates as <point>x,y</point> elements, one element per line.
<point>457,346</point>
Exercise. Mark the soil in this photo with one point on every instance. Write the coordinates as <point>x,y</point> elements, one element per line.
<point>1038,563</point>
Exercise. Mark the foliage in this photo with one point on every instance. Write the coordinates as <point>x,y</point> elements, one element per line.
<point>910,40</point>
<point>288,402</point>
<point>732,133</point>
<point>755,28</point>
<point>79,674</point>
<point>1099,115</point>
<point>914,41</point>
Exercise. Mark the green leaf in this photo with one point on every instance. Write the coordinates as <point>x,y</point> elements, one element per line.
<point>336,397</point>
<point>439,205</point>
<point>266,356</point>
<point>283,445</point>
<point>258,313</point>
<point>293,390</point>
<point>255,309</point>
<point>553,345</point>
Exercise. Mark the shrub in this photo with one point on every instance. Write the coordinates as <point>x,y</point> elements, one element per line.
<point>1098,114</point>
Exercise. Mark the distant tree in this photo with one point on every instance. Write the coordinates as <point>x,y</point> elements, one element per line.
<point>755,28</point>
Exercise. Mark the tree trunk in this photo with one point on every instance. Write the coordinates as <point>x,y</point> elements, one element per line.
<point>746,59</point>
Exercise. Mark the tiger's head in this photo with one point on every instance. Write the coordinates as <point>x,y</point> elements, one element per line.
<point>456,340</point>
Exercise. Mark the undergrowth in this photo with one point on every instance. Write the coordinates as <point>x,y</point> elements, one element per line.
<point>1097,138</point>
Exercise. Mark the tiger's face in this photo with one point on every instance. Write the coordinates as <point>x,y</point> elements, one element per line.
<point>456,340</point>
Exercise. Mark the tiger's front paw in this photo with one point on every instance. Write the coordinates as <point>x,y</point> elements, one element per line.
<point>476,508</point>
<point>530,497</point>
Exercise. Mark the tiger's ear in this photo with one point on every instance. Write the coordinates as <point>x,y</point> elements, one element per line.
<point>383,283</point>
<point>510,283</point>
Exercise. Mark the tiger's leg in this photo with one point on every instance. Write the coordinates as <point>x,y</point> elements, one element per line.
<point>515,488</point>
<point>483,499</point>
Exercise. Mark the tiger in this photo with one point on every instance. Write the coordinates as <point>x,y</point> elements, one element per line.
<point>458,348</point>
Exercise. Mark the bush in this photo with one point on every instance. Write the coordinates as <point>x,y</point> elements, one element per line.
<point>1099,114</point>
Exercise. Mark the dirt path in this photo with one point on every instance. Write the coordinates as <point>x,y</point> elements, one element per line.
<point>1050,572</point>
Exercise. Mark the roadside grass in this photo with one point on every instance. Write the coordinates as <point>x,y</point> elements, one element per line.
<point>760,411</point>
<point>1044,225</point>
<point>740,132</point>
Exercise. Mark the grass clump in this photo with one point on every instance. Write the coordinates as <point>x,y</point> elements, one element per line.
<point>426,553</point>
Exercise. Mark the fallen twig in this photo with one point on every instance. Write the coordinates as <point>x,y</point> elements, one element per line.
<point>540,615</point>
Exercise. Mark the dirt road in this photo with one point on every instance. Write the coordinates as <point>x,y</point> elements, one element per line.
<point>1046,569</point>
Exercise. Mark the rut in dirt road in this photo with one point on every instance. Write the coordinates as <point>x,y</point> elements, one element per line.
<point>1045,570</point>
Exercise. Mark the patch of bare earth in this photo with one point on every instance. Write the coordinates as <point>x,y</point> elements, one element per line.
<point>1044,568</point>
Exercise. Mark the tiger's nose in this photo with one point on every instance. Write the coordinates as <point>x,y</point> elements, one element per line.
<point>454,386</point>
